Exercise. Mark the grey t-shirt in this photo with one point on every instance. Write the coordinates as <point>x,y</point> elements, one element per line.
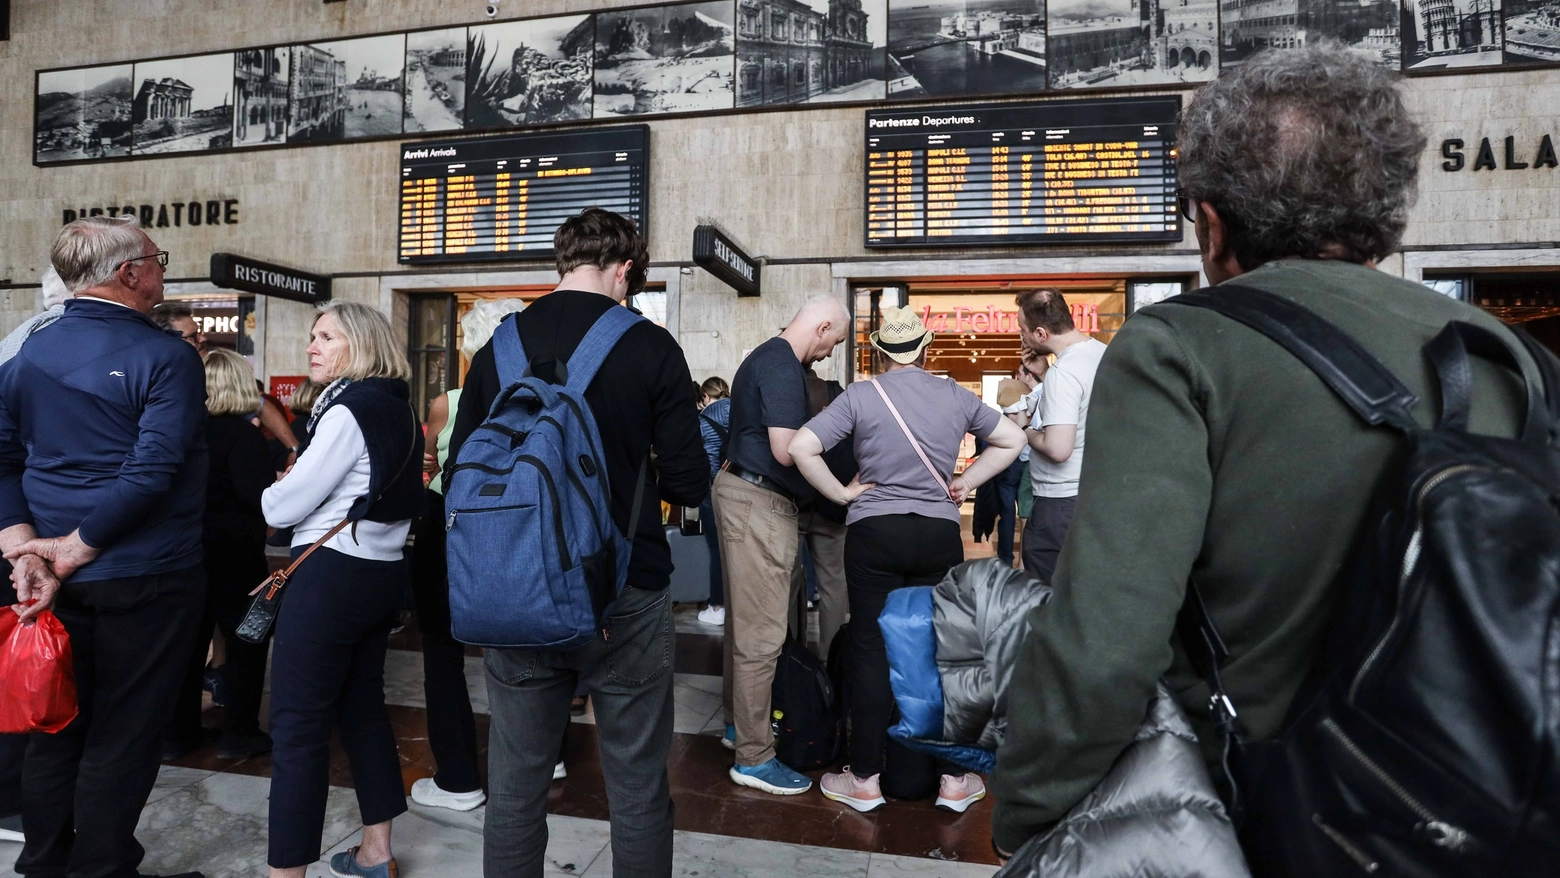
<point>939,413</point>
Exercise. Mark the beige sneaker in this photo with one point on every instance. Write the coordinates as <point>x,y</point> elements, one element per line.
<point>863,794</point>
<point>957,794</point>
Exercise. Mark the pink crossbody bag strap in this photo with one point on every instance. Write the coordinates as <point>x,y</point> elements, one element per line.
<point>941,482</point>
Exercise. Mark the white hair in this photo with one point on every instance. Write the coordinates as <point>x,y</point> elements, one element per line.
<point>54,290</point>
<point>479,323</point>
<point>88,251</point>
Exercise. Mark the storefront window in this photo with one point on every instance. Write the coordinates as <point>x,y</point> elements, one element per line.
<point>431,346</point>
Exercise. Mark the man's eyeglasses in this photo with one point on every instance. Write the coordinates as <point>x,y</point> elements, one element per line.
<point>1187,205</point>
<point>161,256</point>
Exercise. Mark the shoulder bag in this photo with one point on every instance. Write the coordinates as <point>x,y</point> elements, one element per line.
<point>267,595</point>
<point>941,482</point>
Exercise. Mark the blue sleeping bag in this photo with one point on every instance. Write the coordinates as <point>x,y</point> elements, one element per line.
<point>911,643</point>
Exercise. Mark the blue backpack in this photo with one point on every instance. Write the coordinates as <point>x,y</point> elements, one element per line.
<point>534,556</point>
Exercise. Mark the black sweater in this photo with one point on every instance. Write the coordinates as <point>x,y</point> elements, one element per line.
<point>240,472</point>
<point>642,397</point>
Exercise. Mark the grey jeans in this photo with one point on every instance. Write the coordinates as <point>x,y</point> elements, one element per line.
<point>629,677</point>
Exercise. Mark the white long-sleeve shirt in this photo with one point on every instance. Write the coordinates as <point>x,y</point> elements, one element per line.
<point>330,475</point>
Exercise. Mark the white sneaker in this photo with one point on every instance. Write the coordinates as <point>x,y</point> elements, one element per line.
<point>429,794</point>
<point>713,615</point>
<point>560,771</point>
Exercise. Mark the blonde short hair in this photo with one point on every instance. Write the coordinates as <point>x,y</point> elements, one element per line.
<point>230,384</point>
<point>372,351</point>
<point>479,323</point>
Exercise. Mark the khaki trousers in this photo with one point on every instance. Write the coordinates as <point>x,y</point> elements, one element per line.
<point>758,545</point>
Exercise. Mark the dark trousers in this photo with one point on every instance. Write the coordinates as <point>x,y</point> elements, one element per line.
<point>83,788</point>
<point>452,729</point>
<point>629,676</point>
<point>328,671</point>
<point>1044,534</point>
<point>712,542</point>
<point>884,553</point>
<point>233,568</point>
<point>1008,482</point>
<point>12,747</point>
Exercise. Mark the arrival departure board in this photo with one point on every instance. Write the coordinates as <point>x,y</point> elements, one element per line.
<point>1031,173</point>
<point>502,198</point>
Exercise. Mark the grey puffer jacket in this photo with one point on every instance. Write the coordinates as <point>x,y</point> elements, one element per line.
<point>1154,815</point>
<point>980,612</point>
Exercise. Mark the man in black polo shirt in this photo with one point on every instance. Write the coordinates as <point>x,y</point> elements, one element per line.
<point>756,513</point>
<point>641,398</point>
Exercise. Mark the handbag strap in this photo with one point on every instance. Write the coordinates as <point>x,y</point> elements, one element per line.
<point>921,453</point>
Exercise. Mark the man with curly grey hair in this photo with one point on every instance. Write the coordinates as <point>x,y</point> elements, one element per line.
<point>1217,458</point>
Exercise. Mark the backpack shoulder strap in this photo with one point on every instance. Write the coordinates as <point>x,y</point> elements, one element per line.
<point>593,349</point>
<point>1359,379</point>
<point>509,352</point>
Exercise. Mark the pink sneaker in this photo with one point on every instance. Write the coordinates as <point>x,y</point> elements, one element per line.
<point>957,794</point>
<point>863,794</point>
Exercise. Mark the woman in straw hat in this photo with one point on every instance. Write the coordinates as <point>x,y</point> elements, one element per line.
<point>902,526</point>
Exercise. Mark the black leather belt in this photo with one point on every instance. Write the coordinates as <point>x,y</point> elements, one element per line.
<point>765,482</point>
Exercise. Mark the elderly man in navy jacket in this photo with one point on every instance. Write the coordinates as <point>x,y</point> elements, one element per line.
<point>102,486</point>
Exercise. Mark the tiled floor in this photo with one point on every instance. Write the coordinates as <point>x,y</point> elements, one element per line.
<point>209,814</point>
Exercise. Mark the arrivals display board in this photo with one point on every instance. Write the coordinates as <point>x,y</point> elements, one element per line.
<point>501,198</point>
<point>1031,173</point>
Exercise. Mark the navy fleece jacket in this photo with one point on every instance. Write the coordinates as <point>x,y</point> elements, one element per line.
<point>102,418</point>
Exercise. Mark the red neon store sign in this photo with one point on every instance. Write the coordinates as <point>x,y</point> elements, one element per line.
<point>1086,317</point>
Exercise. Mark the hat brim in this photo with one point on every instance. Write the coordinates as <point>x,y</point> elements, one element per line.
<point>903,357</point>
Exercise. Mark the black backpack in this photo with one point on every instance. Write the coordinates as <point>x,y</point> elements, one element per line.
<point>804,712</point>
<point>1425,741</point>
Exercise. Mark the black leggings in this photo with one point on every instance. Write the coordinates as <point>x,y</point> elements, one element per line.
<point>452,727</point>
<point>884,553</point>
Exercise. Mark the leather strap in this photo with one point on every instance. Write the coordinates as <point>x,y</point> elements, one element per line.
<point>1449,352</point>
<point>277,580</point>
<point>941,482</point>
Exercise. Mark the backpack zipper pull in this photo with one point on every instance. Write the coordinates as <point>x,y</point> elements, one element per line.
<point>450,524</point>
<point>606,634</point>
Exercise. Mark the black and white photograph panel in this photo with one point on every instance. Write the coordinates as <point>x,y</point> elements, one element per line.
<point>435,80</point>
<point>260,95</point>
<point>183,104</point>
<point>1532,31</point>
<point>346,89</point>
<point>810,51</point>
<point>1249,26</point>
<point>1100,43</point>
<point>529,72</point>
<point>83,113</point>
<point>667,59</point>
<point>965,47</point>
<point>1446,34</point>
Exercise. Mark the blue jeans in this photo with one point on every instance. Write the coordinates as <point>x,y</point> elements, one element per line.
<point>629,676</point>
<point>712,542</point>
<point>1008,482</point>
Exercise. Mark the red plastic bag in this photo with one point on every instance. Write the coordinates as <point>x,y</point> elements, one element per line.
<point>37,677</point>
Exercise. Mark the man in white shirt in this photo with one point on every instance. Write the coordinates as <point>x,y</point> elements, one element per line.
<point>1056,434</point>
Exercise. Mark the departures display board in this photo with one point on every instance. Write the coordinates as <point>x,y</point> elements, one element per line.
<point>501,198</point>
<point>1031,173</point>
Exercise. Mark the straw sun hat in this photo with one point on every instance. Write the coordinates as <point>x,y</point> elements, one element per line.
<point>902,336</point>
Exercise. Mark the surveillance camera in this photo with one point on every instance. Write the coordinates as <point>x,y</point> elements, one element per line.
<point>491,10</point>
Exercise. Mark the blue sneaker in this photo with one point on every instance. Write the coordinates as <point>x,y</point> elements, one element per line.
<point>345,865</point>
<point>771,777</point>
<point>730,740</point>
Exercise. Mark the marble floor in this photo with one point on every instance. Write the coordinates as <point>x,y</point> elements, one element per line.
<point>208,814</point>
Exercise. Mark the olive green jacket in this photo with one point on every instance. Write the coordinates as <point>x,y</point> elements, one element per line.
<point>1214,455</point>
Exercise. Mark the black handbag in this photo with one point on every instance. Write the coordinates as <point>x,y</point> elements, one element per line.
<point>262,610</point>
<point>261,614</point>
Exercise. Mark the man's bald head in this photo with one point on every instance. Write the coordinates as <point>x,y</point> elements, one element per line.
<point>817,329</point>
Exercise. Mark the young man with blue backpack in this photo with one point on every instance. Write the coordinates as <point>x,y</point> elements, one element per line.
<point>558,561</point>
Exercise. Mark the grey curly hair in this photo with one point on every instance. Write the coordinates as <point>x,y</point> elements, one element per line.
<point>1304,152</point>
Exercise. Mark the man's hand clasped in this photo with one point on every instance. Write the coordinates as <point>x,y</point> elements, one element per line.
<point>38,566</point>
